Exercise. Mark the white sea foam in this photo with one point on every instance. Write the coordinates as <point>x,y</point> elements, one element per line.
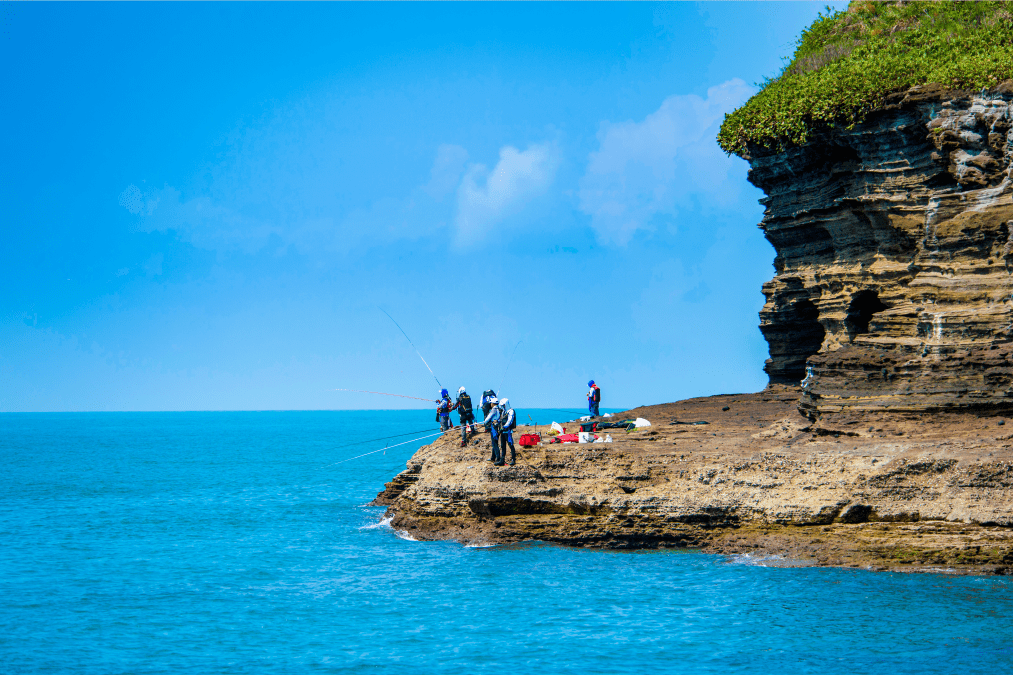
<point>772,560</point>
<point>383,523</point>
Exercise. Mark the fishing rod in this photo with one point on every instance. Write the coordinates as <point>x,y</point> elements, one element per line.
<point>439,433</point>
<point>383,393</point>
<point>412,344</point>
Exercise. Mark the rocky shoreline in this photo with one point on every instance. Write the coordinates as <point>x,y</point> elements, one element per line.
<point>893,299</point>
<point>889,491</point>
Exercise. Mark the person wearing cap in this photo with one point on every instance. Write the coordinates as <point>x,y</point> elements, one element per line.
<point>593,398</point>
<point>443,409</point>
<point>492,424</point>
<point>464,409</point>
<point>507,424</point>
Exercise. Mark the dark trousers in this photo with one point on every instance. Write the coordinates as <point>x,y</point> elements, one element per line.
<point>495,444</point>
<point>465,421</point>
<point>507,437</point>
<point>592,407</point>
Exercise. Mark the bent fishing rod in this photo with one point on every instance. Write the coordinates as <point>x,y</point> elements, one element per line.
<point>412,344</point>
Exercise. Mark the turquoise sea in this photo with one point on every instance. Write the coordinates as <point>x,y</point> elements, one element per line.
<point>233,543</point>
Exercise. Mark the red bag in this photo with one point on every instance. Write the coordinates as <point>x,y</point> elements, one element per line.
<point>527,440</point>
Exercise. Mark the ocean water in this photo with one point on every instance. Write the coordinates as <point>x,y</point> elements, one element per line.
<point>236,543</point>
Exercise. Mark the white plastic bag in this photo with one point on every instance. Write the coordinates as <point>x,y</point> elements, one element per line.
<point>641,422</point>
<point>556,429</point>
<point>608,438</point>
<point>607,415</point>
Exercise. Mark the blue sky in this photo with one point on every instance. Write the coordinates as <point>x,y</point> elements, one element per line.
<point>205,204</point>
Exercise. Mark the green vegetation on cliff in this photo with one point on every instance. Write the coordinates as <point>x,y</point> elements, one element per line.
<point>847,63</point>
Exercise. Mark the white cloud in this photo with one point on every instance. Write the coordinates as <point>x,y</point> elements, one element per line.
<point>132,200</point>
<point>446,172</point>
<point>198,221</point>
<point>645,169</point>
<point>486,199</point>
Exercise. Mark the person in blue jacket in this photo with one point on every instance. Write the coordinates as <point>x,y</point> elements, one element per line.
<point>492,424</point>
<point>593,398</point>
<point>443,409</point>
<point>507,423</point>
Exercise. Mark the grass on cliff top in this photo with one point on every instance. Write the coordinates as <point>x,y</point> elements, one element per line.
<point>846,63</point>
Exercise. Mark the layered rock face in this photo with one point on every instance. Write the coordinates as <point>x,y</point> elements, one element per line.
<point>893,285</point>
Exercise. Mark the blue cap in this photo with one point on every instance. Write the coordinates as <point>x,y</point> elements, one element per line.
<point>591,383</point>
<point>443,392</point>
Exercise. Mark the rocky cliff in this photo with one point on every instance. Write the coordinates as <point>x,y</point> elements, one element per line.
<point>881,440</point>
<point>892,298</point>
<point>893,270</point>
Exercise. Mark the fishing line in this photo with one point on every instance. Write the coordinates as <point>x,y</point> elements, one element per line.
<point>503,379</point>
<point>382,438</point>
<point>572,412</point>
<point>439,433</point>
<point>412,344</point>
<point>383,393</point>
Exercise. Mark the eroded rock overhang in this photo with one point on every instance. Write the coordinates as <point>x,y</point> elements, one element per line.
<point>893,270</point>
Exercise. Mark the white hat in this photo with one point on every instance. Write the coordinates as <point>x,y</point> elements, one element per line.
<point>461,390</point>
<point>493,400</point>
<point>505,402</point>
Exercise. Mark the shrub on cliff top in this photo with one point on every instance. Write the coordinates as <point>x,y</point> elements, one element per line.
<point>847,63</point>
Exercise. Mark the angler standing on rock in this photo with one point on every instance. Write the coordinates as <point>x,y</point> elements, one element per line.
<point>593,398</point>
<point>508,422</point>
<point>443,409</point>
<point>487,402</point>
<point>492,424</point>
<point>464,409</point>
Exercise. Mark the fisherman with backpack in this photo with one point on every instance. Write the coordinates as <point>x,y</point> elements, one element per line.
<point>463,406</point>
<point>507,423</point>
<point>492,423</point>
<point>593,398</point>
<point>487,397</point>
<point>443,409</point>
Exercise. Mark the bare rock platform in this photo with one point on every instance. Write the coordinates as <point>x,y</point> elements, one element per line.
<point>889,491</point>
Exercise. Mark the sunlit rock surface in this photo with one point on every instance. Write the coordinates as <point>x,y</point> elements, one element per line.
<point>892,282</point>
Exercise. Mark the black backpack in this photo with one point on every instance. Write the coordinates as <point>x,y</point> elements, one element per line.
<point>464,402</point>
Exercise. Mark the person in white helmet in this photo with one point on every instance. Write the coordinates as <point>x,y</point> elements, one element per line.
<point>492,424</point>
<point>507,424</point>
<point>464,409</point>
